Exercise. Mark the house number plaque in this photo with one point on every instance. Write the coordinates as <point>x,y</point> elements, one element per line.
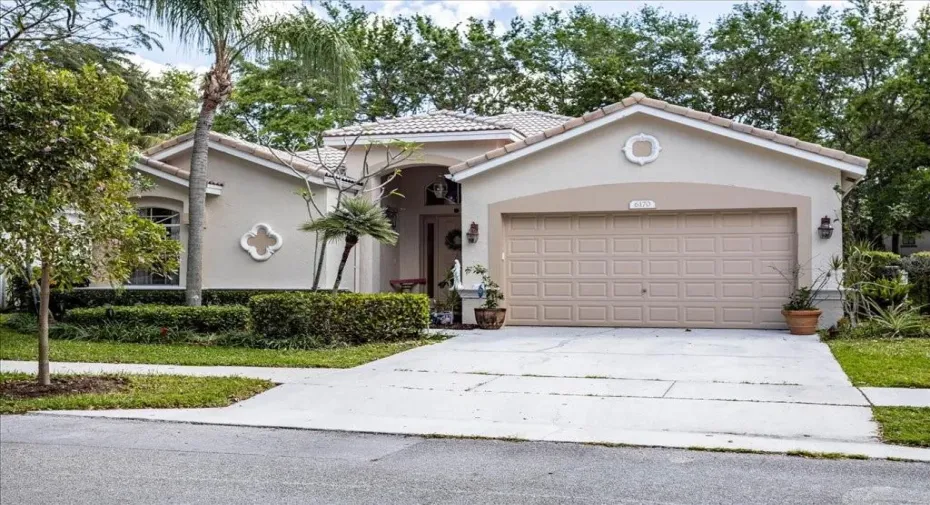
<point>642,204</point>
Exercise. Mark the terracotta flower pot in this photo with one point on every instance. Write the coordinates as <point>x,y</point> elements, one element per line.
<point>490,319</point>
<point>802,322</point>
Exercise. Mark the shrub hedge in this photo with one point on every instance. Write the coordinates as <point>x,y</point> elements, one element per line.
<point>879,261</point>
<point>206,319</point>
<point>79,298</point>
<point>303,319</point>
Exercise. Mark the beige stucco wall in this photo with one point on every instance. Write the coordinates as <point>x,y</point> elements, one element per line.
<point>688,155</point>
<point>251,194</point>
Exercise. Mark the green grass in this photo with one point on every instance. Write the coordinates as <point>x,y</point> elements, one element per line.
<point>904,425</point>
<point>144,391</point>
<point>17,346</point>
<point>885,363</point>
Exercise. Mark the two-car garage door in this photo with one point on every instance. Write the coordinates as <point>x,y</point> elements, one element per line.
<point>685,269</point>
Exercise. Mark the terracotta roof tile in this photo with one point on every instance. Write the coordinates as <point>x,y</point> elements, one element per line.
<point>168,169</point>
<point>524,123</point>
<point>307,162</point>
<point>641,99</point>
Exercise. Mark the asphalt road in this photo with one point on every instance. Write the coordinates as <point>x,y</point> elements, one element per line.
<point>72,460</point>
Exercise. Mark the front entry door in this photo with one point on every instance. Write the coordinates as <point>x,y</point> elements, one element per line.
<point>439,257</point>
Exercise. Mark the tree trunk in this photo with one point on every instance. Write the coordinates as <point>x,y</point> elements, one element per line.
<point>216,88</point>
<point>44,298</point>
<point>896,243</point>
<point>321,249</point>
<point>350,243</point>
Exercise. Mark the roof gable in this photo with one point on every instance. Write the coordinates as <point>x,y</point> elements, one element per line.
<point>318,164</point>
<point>639,103</point>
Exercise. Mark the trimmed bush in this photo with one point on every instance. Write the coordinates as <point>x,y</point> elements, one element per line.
<point>299,320</point>
<point>207,319</point>
<point>80,298</point>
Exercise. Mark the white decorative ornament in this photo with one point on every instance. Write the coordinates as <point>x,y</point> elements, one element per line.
<point>642,160</point>
<point>254,250</point>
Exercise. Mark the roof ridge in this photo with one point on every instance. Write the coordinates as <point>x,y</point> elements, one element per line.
<point>641,99</point>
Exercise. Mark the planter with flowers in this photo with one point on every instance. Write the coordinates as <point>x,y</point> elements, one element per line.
<point>490,316</point>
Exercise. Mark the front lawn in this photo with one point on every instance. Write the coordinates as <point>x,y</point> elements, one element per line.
<point>126,392</point>
<point>901,363</point>
<point>18,346</point>
<point>904,425</point>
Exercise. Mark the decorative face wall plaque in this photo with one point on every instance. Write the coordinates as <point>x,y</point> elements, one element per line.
<point>642,148</point>
<point>261,242</point>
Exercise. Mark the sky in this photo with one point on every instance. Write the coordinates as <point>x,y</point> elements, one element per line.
<point>452,12</point>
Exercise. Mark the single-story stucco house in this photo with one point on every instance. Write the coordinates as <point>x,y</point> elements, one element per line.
<point>640,213</point>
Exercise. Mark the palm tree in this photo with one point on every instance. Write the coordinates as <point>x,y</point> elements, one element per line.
<point>357,217</point>
<point>233,30</point>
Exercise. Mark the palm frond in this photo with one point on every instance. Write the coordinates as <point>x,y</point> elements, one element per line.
<point>317,47</point>
<point>356,217</point>
<point>206,24</point>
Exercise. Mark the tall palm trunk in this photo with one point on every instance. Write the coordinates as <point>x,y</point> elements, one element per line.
<point>217,86</point>
<point>351,240</point>
<point>44,297</point>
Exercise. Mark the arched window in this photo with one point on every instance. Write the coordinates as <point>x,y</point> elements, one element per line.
<point>171,220</point>
<point>443,192</point>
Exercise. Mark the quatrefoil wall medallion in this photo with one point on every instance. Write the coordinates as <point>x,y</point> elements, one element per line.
<point>261,242</point>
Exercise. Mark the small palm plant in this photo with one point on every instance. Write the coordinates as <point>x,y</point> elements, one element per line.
<point>357,217</point>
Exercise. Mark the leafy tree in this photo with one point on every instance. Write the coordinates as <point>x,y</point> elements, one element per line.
<point>153,107</point>
<point>65,185</point>
<point>89,21</point>
<point>392,61</point>
<point>232,30</point>
<point>774,70</point>
<point>357,217</point>
<point>465,71</point>
<point>279,107</point>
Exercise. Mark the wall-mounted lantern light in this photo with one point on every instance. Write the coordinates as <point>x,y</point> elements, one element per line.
<point>826,227</point>
<point>472,233</point>
<point>439,188</point>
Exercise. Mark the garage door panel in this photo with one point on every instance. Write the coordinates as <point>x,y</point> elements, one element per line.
<point>658,290</point>
<point>591,246</point>
<point>623,268</point>
<point>558,268</point>
<point>517,246</point>
<point>693,269</point>
<point>553,245</point>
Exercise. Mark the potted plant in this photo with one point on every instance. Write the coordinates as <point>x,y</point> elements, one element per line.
<point>801,312</point>
<point>489,316</point>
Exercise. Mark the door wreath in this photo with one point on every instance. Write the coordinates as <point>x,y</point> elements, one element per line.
<point>454,240</point>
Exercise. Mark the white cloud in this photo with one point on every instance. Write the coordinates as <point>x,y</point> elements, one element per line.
<point>154,68</point>
<point>447,13</point>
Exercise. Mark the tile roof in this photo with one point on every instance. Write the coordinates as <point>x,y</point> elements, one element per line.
<point>303,162</point>
<point>525,123</point>
<point>168,169</point>
<point>530,122</point>
<point>439,121</point>
<point>641,99</point>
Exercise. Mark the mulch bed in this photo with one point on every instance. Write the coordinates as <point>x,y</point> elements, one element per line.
<point>454,326</point>
<point>22,389</point>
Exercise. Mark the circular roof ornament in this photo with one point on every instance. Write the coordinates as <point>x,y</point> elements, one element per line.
<point>636,154</point>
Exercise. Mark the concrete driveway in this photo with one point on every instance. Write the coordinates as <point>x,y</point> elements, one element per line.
<point>763,390</point>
